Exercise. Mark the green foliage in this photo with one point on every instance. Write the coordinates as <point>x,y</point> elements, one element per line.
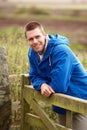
<point>32,11</point>
<point>77,47</point>
<point>38,11</point>
<point>22,10</point>
<point>50,112</point>
<point>14,41</point>
<point>64,12</point>
<point>81,53</point>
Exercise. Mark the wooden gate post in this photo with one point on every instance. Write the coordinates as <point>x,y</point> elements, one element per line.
<point>25,106</point>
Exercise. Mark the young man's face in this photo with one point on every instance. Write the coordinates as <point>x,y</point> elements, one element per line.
<point>36,39</point>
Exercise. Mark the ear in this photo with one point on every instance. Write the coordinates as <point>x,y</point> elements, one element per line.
<point>44,33</point>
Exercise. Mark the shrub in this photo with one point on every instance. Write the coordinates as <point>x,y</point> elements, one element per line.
<point>22,10</point>
<point>38,11</point>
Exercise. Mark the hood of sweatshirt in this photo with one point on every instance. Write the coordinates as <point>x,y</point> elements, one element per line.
<point>58,39</point>
<point>54,40</point>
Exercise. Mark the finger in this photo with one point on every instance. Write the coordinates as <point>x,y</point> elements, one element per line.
<point>51,90</point>
<point>46,93</point>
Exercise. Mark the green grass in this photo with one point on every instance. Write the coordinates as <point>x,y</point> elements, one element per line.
<point>66,12</point>
<point>81,53</point>
<point>16,47</point>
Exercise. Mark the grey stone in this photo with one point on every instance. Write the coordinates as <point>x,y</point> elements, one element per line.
<point>5,95</point>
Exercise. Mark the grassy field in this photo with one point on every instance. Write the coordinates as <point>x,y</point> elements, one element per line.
<point>16,46</point>
<point>13,40</point>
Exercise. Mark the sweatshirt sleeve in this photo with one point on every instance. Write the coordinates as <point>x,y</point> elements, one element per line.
<point>61,68</point>
<point>35,78</point>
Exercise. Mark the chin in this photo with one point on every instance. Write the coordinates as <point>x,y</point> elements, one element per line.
<point>39,51</point>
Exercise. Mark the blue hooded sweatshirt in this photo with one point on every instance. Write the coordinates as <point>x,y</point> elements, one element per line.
<point>59,68</point>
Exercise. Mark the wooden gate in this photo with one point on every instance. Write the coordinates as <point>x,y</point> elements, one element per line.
<point>39,120</point>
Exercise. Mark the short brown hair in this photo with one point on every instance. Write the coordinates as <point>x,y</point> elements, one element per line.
<point>32,25</point>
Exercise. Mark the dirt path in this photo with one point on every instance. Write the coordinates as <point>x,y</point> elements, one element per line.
<point>53,24</point>
<point>75,29</point>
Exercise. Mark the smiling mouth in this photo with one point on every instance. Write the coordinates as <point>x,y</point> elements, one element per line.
<point>36,47</point>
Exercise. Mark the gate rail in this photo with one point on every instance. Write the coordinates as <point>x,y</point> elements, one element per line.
<point>40,120</point>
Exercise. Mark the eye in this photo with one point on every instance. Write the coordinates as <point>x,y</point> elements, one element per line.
<point>37,37</point>
<point>30,39</point>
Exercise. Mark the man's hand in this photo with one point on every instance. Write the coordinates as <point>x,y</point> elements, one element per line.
<point>46,90</point>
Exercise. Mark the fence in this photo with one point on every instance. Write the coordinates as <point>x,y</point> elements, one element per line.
<point>39,119</point>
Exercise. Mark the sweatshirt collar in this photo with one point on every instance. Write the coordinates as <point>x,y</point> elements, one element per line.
<point>46,43</point>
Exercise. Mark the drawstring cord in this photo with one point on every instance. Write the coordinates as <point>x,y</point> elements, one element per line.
<point>49,61</point>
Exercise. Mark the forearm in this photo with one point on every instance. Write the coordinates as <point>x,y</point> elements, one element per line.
<point>37,82</point>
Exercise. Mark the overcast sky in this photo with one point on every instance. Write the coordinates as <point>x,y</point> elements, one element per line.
<point>52,1</point>
<point>48,3</point>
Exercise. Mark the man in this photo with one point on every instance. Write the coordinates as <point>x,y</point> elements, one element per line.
<point>54,68</point>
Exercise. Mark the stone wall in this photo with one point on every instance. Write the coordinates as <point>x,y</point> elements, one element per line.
<point>5,98</point>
